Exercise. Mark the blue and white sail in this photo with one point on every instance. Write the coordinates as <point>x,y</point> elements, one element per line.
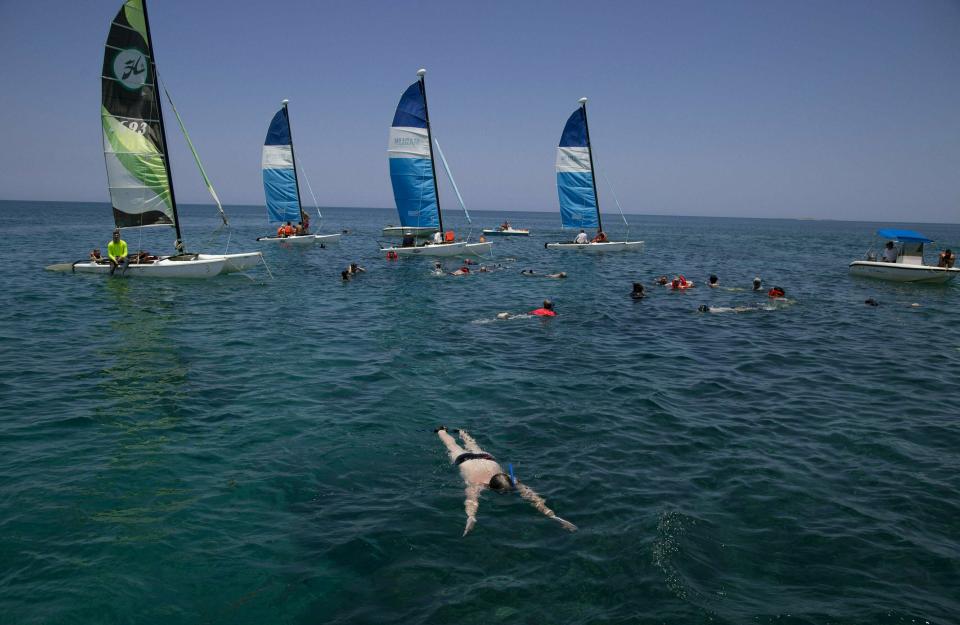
<point>279,172</point>
<point>575,183</point>
<point>411,162</point>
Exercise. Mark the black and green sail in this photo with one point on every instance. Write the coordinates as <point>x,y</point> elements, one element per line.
<point>134,143</point>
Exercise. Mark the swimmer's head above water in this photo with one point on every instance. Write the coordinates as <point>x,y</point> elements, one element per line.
<point>501,482</point>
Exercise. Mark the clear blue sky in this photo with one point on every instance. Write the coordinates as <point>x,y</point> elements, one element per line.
<point>811,108</point>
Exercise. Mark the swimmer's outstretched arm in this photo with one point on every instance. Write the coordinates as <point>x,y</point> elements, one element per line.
<point>469,443</point>
<point>471,504</point>
<point>452,448</point>
<point>528,493</point>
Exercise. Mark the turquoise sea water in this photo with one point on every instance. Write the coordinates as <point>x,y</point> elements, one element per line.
<point>257,450</point>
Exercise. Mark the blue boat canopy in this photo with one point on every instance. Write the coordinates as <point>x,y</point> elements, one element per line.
<point>910,236</point>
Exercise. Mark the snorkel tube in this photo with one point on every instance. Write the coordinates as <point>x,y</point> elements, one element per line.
<point>513,479</point>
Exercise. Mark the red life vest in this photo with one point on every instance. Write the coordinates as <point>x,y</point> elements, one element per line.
<point>543,312</point>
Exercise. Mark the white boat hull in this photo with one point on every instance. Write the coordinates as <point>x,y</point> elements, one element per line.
<point>196,268</point>
<point>479,248</point>
<point>236,262</point>
<point>399,231</point>
<point>609,246</point>
<point>431,249</point>
<point>510,232</point>
<point>901,272</point>
<point>302,240</point>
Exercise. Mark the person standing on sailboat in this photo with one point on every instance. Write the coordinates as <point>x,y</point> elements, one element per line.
<point>480,470</point>
<point>116,251</point>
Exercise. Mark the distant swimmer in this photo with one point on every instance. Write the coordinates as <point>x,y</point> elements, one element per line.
<point>871,302</point>
<point>480,470</point>
<point>757,284</point>
<point>681,283</point>
<point>714,281</point>
<point>464,270</point>
<point>727,309</point>
<point>776,293</point>
<point>637,292</point>
<point>546,311</point>
<point>662,281</point>
<point>345,275</point>
<point>437,269</point>
<point>354,269</point>
<point>582,238</point>
<point>703,308</point>
<point>531,273</point>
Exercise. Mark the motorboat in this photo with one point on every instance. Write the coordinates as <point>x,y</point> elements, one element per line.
<point>902,261</point>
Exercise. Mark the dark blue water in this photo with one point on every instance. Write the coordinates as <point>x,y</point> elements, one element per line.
<point>257,450</point>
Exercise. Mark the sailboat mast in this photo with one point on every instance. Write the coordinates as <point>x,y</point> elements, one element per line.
<point>163,130</point>
<point>433,168</point>
<point>593,176</point>
<point>293,157</point>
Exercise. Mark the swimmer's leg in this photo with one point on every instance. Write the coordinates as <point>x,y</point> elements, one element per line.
<point>452,448</point>
<point>469,443</point>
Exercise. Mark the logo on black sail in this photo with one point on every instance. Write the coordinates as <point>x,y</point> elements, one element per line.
<point>130,68</point>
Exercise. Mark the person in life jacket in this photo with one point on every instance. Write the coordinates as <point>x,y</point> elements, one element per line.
<point>776,292</point>
<point>449,237</point>
<point>600,238</point>
<point>286,230</point>
<point>481,471</point>
<point>546,311</point>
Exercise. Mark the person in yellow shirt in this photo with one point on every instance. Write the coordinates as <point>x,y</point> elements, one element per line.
<point>117,251</point>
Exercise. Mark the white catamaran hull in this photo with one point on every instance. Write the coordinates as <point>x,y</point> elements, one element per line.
<point>509,232</point>
<point>479,248</point>
<point>902,272</point>
<point>609,246</point>
<point>166,267</point>
<point>235,262</point>
<point>302,240</point>
<point>431,249</point>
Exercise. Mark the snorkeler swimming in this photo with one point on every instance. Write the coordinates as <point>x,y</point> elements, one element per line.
<point>480,470</point>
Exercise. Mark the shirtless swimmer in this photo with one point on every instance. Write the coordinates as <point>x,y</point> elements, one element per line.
<point>480,470</point>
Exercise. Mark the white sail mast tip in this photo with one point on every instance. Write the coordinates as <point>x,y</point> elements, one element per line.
<point>421,72</point>
<point>582,100</point>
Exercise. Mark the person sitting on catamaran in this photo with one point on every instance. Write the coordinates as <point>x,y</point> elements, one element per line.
<point>299,231</point>
<point>582,238</point>
<point>437,237</point>
<point>480,470</point>
<point>116,251</point>
<point>95,256</point>
<point>546,311</point>
<point>449,236</point>
<point>600,238</point>
<point>286,230</point>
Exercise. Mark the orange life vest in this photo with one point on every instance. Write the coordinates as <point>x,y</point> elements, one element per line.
<point>543,312</point>
<point>449,236</point>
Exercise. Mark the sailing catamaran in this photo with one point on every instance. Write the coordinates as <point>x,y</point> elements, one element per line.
<point>577,186</point>
<point>281,185</point>
<point>414,177</point>
<point>135,149</point>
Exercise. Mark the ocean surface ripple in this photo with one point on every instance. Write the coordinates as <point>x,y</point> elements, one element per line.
<point>259,450</point>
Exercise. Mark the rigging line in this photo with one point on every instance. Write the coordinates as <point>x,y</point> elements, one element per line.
<point>453,182</point>
<point>196,157</point>
<point>316,205</point>
<point>615,199</point>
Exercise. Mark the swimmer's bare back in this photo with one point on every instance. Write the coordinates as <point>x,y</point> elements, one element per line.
<point>480,471</point>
